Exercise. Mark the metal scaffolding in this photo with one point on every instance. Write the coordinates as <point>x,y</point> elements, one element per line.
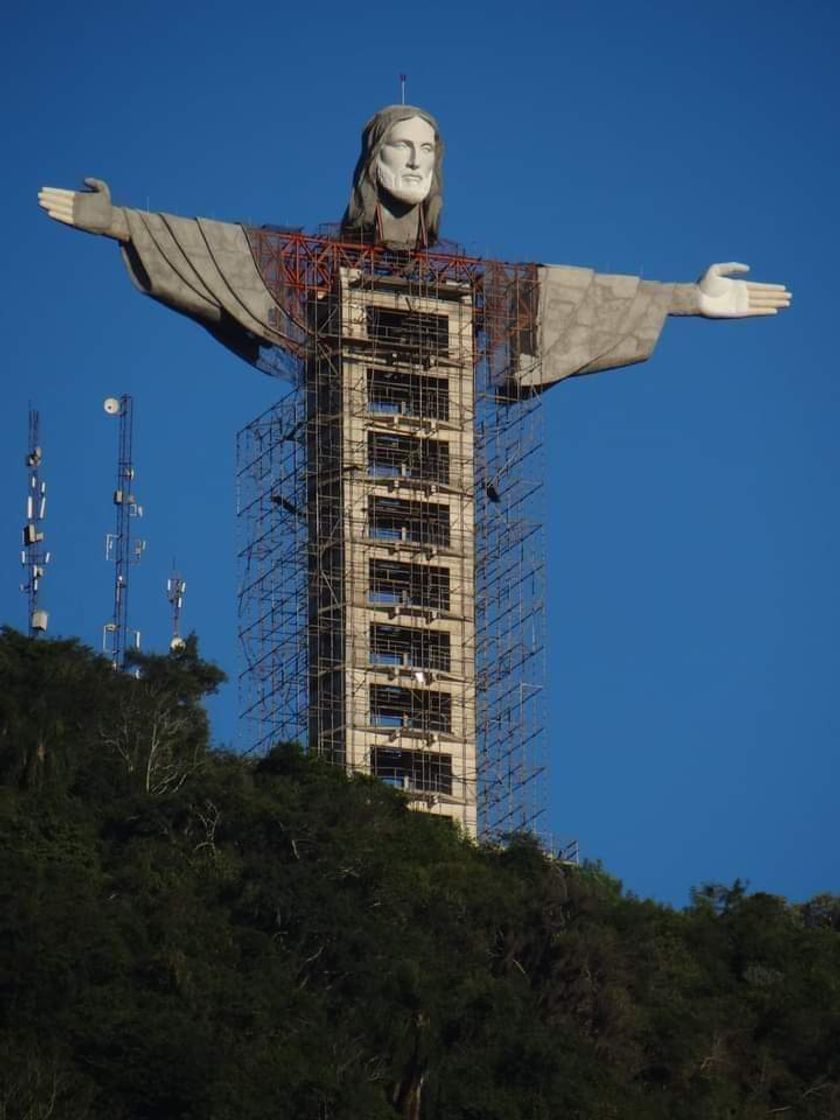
<point>391,565</point>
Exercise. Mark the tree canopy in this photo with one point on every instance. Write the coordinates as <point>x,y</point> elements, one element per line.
<point>187,933</point>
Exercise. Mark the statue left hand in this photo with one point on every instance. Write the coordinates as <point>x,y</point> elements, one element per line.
<point>722,298</point>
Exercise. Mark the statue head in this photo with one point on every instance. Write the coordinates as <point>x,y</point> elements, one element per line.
<point>402,156</point>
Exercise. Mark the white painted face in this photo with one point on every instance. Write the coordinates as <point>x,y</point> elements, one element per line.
<point>406,160</point>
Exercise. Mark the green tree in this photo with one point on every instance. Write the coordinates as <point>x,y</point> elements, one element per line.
<point>188,933</point>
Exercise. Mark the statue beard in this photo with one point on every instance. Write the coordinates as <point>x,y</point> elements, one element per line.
<point>410,193</point>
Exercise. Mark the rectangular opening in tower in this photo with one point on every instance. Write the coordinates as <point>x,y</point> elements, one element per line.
<point>420,770</point>
<point>411,585</point>
<point>398,456</point>
<point>399,392</point>
<point>410,647</point>
<point>395,519</point>
<point>420,336</point>
<point>419,709</point>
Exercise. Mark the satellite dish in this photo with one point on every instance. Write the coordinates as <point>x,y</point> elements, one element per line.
<point>111,406</point>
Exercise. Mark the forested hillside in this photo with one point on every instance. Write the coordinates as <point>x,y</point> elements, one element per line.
<point>190,935</point>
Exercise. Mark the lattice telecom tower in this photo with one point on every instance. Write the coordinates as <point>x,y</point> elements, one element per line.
<point>34,556</point>
<point>119,545</point>
<point>391,583</point>
<point>176,589</point>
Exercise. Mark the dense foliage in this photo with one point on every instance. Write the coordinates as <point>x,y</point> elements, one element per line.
<point>190,934</point>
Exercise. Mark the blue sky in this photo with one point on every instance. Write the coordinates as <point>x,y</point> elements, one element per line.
<point>693,541</point>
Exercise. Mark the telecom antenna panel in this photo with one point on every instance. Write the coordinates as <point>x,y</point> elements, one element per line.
<point>34,556</point>
<point>120,547</point>
<point>176,588</point>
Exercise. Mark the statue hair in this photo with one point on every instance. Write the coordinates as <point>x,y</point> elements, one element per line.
<point>360,218</point>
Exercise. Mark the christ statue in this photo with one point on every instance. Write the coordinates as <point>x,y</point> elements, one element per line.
<point>396,343</point>
<point>208,270</point>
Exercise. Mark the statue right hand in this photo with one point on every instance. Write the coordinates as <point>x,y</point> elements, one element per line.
<point>90,210</point>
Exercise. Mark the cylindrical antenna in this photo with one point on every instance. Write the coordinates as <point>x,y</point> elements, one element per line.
<point>118,545</point>
<point>176,588</point>
<point>34,556</point>
<point>403,80</point>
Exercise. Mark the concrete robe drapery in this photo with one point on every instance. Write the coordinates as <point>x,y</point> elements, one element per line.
<point>590,321</point>
<point>205,269</point>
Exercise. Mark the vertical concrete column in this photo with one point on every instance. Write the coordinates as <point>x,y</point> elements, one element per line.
<point>407,510</point>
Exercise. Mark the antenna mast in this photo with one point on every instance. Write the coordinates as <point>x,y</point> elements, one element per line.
<point>34,556</point>
<point>118,545</point>
<point>176,588</point>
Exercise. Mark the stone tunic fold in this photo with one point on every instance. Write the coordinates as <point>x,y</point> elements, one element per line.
<point>590,321</point>
<point>204,269</point>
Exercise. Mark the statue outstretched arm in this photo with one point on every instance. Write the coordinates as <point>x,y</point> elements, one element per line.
<point>591,321</point>
<point>90,210</point>
<point>201,268</point>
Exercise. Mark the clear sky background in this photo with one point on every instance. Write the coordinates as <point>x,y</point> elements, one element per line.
<point>693,539</point>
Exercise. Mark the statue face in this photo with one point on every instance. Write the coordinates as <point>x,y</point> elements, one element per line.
<point>406,160</point>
